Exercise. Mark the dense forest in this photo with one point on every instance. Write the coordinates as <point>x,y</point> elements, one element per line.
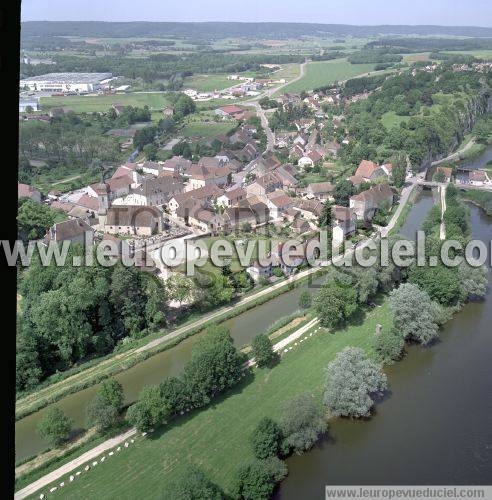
<point>431,44</point>
<point>216,30</point>
<point>434,111</point>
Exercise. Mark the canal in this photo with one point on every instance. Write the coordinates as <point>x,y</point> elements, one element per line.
<point>156,368</point>
<point>434,426</point>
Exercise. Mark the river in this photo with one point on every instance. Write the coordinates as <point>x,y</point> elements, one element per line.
<point>434,426</point>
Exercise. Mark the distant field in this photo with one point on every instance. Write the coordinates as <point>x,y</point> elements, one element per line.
<point>391,119</point>
<point>217,438</point>
<point>287,71</point>
<point>419,56</point>
<point>325,72</point>
<point>206,129</point>
<point>483,54</point>
<point>88,104</point>
<point>207,83</point>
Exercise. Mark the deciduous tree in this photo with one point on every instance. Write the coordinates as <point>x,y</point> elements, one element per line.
<point>351,379</point>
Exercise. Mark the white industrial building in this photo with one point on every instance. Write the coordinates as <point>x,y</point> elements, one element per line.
<point>66,82</point>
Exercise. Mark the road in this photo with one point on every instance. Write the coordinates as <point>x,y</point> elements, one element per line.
<point>90,455</point>
<point>261,112</point>
<point>456,155</point>
<point>404,196</point>
<point>73,464</point>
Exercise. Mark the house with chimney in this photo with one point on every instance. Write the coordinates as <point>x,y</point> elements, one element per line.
<point>320,191</point>
<point>200,176</point>
<point>278,202</point>
<point>152,191</point>
<point>264,185</point>
<point>369,171</point>
<point>206,195</point>
<point>231,197</point>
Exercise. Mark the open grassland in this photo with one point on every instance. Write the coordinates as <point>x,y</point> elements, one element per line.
<point>206,129</point>
<point>482,54</point>
<point>390,119</point>
<point>208,83</point>
<point>321,73</point>
<point>416,57</point>
<point>88,104</point>
<point>217,438</point>
<point>287,71</point>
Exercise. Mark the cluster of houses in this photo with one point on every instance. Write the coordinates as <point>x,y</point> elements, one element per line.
<point>241,86</point>
<point>463,175</point>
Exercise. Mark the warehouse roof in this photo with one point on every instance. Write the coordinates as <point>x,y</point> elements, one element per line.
<point>70,77</point>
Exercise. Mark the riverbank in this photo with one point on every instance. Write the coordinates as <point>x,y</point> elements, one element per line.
<point>150,346</point>
<point>195,437</point>
<point>450,378</point>
<point>482,199</point>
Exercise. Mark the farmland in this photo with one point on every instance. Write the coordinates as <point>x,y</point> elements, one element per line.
<point>208,83</point>
<point>91,103</point>
<point>325,72</point>
<point>206,129</point>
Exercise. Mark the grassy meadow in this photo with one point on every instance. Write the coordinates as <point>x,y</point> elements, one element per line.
<point>217,438</point>
<point>321,73</point>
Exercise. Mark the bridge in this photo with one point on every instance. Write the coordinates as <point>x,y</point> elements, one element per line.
<point>421,182</point>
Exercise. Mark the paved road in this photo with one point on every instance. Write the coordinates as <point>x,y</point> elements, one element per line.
<point>261,112</point>
<point>442,229</point>
<point>90,455</point>
<point>405,195</point>
<point>456,155</point>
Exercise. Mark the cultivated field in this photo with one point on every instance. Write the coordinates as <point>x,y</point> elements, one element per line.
<point>217,439</point>
<point>88,104</point>
<point>208,83</point>
<point>321,73</point>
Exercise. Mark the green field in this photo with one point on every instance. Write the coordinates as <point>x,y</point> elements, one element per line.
<point>88,104</point>
<point>208,83</point>
<point>206,129</point>
<point>482,54</point>
<point>390,119</point>
<point>217,439</point>
<point>325,72</point>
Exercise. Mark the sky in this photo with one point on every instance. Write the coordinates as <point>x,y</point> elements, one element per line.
<point>361,12</point>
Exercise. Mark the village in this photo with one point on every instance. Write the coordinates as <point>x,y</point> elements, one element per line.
<point>259,183</point>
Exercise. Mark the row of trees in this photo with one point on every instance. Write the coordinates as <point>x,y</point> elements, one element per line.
<point>103,413</point>
<point>163,66</point>
<point>215,365</point>
<point>346,289</point>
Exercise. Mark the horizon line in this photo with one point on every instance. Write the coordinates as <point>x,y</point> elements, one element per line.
<point>252,22</point>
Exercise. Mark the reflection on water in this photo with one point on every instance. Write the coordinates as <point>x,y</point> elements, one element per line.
<point>155,369</point>
<point>435,426</point>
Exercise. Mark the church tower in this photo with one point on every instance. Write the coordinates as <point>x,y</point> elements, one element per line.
<point>102,190</point>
